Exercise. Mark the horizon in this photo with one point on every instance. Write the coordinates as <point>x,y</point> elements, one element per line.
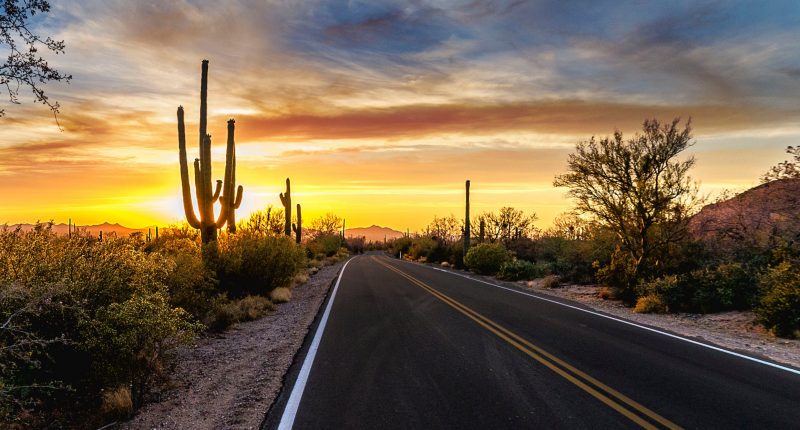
<point>379,111</point>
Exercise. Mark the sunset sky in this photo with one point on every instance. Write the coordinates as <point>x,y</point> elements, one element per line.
<point>380,110</point>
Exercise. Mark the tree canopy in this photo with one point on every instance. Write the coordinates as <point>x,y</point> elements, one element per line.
<point>638,188</point>
<point>24,66</point>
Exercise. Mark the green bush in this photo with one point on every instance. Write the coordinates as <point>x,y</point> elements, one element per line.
<point>326,245</point>
<point>779,309</point>
<point>521,270</point>
<point>729,286</point>
<point>127,341</point>
<point>486,258</point>
<point>254,264</point>
<point>401,245</point>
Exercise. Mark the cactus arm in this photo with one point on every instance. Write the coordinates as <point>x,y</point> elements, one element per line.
<point>216,192</point>
<point>198,190</point>
<point>283,199</point>
<point>238,201</point>
<point>186,189</point>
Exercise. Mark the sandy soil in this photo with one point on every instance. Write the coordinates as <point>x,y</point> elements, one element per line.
<point>229,381</point>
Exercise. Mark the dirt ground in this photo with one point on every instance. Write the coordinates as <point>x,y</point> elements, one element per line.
<point>229,380</point>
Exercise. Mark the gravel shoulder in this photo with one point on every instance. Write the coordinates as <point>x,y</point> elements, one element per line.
<point>735,331</point>
<point>229,380</point>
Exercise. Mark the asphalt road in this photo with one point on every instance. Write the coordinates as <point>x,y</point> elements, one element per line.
<point>401,345</point>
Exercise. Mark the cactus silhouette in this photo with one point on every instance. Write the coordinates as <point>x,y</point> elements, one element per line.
<point>466,223</point>
<point>202,173</point>
<point>286,200</point>
<point>229,199</point>
<point>482,230</point>
<point>298,228</point>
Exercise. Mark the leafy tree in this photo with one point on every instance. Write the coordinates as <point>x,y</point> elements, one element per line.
<point>788,169</point>
<point>328,224</point>
<point>639,189</point>
<point>24,67</point>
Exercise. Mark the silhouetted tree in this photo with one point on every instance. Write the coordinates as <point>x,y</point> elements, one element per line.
<point>639,189</point>
<point>24,67</point>
<point>327,224</point>
<point>789,169</point>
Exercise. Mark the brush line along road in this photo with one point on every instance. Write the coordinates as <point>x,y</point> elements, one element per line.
<point>401,345</point>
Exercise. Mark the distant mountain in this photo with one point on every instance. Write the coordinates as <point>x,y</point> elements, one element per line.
<point>752,218</point>
<point>106,228</point>
<point>373,233</point>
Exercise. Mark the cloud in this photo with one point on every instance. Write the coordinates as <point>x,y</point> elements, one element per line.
<point>556,117</point>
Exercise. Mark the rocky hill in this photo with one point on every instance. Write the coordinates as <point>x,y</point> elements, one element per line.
<point>373,233</point>
<point>757,217</point>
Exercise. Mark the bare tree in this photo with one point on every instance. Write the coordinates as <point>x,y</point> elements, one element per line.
<point>638,188</point>
<point>24,67</point>
<point>327,224</point>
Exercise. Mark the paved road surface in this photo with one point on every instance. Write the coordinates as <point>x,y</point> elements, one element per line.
<point>403,345</point>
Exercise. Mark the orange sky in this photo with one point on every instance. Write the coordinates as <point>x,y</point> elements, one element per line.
<point>379,112</point>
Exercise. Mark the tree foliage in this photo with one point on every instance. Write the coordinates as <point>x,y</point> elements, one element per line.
<point>507,224</point>
<point>24,67</point>
<point>788,169</point>
<point>637,188</point>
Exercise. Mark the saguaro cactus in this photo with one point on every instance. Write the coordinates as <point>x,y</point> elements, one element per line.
<point>202,173</point>
<point>298,228</point>
<point>286,200</point>
<point>482,230</point>
<point>229,199</point>
<point>466,223</point>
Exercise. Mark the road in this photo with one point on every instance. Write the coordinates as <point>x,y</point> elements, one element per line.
<point>402,345</point>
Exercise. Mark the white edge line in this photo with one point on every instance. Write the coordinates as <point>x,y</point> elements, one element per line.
<point>716,348</point>
<point>290,411</point>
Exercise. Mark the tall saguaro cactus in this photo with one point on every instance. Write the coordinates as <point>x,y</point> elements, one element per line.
<point>202,173</point>
<point>466,223</point>
<point>229,198</point>
<point>286,200</point>
<point>298,228</point>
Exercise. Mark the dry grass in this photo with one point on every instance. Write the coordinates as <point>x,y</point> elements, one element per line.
<point>245,309</point>
<point>650,304</point>
<point>551,281</point>
<point>280,295</point>
<point>300,279</point>
<point>117,403</point>
<point>607,293</point>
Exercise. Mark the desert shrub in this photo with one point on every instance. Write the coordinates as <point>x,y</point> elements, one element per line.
<point>87,315</point>
<point>422,247</point>
<point>251,264</point>
<point>325,244</point>
<point>486,258</point>
<point>456,258</point>
<point>728,286</point>
<point>517,270</point>
<point>779,309</point>
<point>401,245</point>
<point>280,295</point>
<point>190,284</point>
<point>650,304</point>
<point>620,275</point>
<point>127,341</point>
<point>551,281</point>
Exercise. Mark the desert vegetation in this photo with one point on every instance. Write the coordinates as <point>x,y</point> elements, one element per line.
<point>88,323</point>
<point>640,230</point>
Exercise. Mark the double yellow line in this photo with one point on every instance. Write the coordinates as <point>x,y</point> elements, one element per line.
<point>611,397</point>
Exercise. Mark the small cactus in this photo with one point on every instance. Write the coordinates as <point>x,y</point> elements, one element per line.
<point>298,228</point>
<point>466,223</point>
<point>286,200</point>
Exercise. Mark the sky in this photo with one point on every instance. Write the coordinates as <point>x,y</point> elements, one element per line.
<point>379,110</point>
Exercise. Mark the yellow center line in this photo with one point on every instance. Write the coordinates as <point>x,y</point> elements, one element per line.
<point>542,357</point>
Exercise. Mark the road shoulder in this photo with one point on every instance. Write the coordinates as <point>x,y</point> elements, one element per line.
<point>230,380</point>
